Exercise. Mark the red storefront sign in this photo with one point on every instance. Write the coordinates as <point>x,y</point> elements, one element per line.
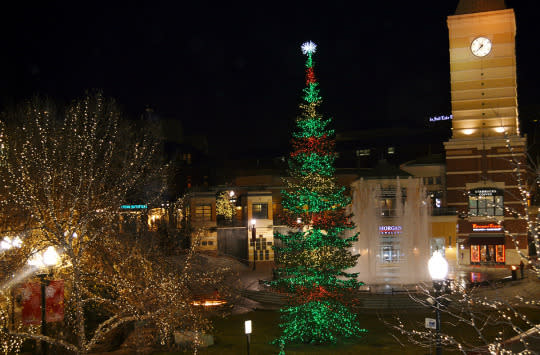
<point>54,302</point>
<point>490,227</point>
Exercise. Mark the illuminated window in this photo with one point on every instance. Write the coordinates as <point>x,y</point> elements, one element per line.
<point>475,253</point>
<point>260,211</point>
<point>437,244</point>
<point>363,152</point>
<point>487,253</point>
<point>486,202</point>
<point>203,213</point>
<point>391,150</point>
<point>500,254</point>
<point>187,158</point>
<point>390,249</point>
<point>387,201</point>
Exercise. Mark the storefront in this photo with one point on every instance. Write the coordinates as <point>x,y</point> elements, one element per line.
<point>487,248</point>
<point>390,244</point>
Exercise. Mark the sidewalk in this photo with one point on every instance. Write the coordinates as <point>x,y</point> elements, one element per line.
<point>502,286</point>
<point>250,278</point>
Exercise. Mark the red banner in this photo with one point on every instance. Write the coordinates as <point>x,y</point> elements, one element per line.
<point>31,303</point>
<point>54,302</point>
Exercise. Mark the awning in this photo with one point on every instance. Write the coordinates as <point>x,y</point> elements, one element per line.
<point>486,239</point>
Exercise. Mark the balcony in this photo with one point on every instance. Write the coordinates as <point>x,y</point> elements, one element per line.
<point>444,211</point>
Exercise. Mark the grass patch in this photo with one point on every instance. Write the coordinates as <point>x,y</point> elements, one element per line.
<point>230,339</point>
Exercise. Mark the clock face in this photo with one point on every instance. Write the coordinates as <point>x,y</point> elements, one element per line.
<point>481,46</point>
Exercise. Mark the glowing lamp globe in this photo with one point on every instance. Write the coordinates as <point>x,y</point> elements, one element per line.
<point>247,327</point>
<point>438,267</point>
<point>5,244</point>
<point>50,257</point>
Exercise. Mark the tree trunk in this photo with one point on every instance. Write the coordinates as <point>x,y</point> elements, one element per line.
<point>79,309</point>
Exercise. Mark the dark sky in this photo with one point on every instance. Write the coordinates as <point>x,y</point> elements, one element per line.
<point>228,70</point>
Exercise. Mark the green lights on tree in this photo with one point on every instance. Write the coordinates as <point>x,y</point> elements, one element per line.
<point>312,259</point>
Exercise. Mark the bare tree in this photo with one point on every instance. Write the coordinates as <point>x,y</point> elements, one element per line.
<point>489,318</point>
<point>65,173</point>
<point>474,320</point>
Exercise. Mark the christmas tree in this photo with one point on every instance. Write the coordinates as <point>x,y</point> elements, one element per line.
<point>312,258</point>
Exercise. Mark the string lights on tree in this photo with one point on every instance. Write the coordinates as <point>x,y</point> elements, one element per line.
<point>312,259</point>
<point>69,171</point>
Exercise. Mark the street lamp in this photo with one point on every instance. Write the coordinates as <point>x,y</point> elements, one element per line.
<point>438,270</point>
<point>254,239</point>
<point>44,261</point>
<point>8,243</point>
<point>247,327</point>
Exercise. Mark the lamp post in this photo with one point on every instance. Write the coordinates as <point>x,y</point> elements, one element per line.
<point>254,239</point>
<point>44,261</point>
<point>247,327</point>
<point>438,270</point>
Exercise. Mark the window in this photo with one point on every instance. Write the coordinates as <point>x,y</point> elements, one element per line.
<point>187,158</point>
<point>363,152</point>
<point>260,211</point>
<point>486,202</point>
<point>388,201</point>
<point>437,244</point>
<point>390,249</point>
<point>203,213</point>
<point>487,254</point>
<point>387,207</point>
<point>391,150</point>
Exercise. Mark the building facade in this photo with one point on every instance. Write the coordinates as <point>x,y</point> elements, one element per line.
<point>485,156</point>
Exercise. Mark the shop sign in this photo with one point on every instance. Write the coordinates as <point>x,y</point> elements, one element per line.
<point>390,229</point>
<point>490,227</point>
<point>440,118</point>
<point>486,192</point>
<point>431,323</point>
<point>133,207</point>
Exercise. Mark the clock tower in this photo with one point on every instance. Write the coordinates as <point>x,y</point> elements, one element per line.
<point>486,153</point>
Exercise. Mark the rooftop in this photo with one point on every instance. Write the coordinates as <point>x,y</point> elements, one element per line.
<point>473,6</point>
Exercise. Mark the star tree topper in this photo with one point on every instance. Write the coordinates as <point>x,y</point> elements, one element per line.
<point>308,47</point>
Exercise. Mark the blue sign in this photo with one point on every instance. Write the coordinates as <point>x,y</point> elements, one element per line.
<point>133,207</point>
<point>440,118</point>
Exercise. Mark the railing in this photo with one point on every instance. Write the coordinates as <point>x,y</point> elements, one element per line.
<point>444,211</point>
<point>230,223</point>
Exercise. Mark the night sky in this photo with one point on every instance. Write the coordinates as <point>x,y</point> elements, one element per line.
<point>229,70</point>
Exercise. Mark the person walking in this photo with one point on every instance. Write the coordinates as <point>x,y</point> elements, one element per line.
<point>521,268</point>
